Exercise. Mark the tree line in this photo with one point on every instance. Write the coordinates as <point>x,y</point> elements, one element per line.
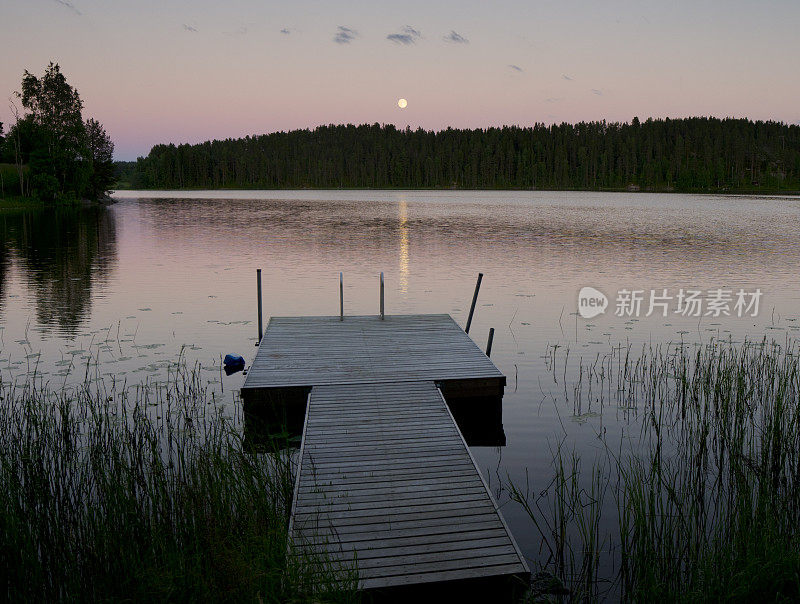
<point>50,153</point>
<point>691,154</point>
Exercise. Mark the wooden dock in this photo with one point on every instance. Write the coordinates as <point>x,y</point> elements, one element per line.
<point>386,482</point>
<point>316,351</point>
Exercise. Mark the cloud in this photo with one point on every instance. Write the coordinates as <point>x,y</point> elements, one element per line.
<point>189,28</point>
<point>69,5</point>
<point>400,39</point>
<point>285,31</point>
<point>408,35</point>
<point>554,99</point>
<point>516,68</point>
<point>597,92</point>
<point>455,38</point>
<point>568,78</point>
<point>344,35</point>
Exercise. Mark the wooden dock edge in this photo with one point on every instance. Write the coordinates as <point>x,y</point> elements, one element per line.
<point>489,492</point>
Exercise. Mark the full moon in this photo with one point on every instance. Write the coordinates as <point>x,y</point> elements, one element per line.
<point>402,103</point>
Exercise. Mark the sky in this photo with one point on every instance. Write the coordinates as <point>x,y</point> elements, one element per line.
<point>156,71</point>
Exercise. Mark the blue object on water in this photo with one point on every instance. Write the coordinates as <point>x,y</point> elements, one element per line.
<point>233,360</point>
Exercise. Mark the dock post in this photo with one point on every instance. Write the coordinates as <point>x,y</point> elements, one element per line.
<point>489,343</point>
<point>381,296</point>
<point>474,300</point>
<point>260,324</point>
<point>341,298</point>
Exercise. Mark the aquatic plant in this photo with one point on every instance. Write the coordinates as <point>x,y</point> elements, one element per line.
<point>703,497</point>
<point>112,492</point>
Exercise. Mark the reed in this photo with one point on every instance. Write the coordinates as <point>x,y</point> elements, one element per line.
<point>701,499</point>
<point>136,493</point>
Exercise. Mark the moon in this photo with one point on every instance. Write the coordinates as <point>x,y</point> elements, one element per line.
<point>402,103</point>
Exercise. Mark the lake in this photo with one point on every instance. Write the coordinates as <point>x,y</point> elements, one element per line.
<point>122,292</point>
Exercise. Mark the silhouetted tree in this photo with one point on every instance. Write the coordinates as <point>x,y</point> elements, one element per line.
<point>101,159</point>
<point>65,157</point>
<point>55,110</point>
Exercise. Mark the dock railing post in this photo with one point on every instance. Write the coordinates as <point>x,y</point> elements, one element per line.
<point>381,296</point>
<point>489,343</point>
<point>341,298</point>
<point>474,300</point>
<point>260,324</point>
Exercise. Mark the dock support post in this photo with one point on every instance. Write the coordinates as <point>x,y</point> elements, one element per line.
<point>474,300</point>
<point>260,324</point>
<point>341,298</point>
<point>489,343</point>
<point>381,296</point>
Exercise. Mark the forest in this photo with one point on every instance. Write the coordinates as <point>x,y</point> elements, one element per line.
<point>692,154</point>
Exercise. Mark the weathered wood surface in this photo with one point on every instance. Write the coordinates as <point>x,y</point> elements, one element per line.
<point>313,351</point>
<point>386,481</point>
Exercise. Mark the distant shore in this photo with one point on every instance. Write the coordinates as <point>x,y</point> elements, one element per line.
<point>16,202</point>
<point>687,155</point>
<point>742,191</point>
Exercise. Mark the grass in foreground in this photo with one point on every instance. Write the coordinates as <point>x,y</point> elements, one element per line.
<point>144,494</point>
<point>704,500</point>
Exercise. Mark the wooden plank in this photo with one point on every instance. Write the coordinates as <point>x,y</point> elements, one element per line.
<point>320,497</point>
<point>367,551</point>
<point>498,570</point>
<point>405,535</point>
<point>389,465</point>
<point>383,488</point>
<point>320,455</point>
<point>447,564</point>
<point>389,510</point>
<point>347,482</point>
<point>398,514</point>
<point>386,565</point>
<point>373,478</point>
<point>298,472</point>
<point>389,489</point>
<point>407,503</point>
<point>320,529</point>
<point>387,558</point>
<point>390,462</point>
<point>308,351</point>
<point>440,542</point>
<point>371,499</point>
<point>398,542</point>
<point>346,437</point>
<point>417,469</point>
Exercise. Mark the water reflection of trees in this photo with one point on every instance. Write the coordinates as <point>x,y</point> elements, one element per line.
<point>4,264</point>
<point>61,254</point>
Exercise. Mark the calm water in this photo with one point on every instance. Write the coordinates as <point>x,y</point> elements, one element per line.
<point>159,275</point>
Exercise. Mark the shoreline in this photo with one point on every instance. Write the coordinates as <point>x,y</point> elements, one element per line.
<point>28,203</point>
<point>742,192</point>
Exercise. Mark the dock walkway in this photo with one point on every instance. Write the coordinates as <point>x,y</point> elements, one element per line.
<point>386,480</point>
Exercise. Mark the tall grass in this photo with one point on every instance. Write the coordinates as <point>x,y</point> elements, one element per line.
<point>116,493</point>
<point>703,501</point>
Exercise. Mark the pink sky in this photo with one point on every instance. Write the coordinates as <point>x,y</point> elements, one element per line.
<point>188,71</point>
